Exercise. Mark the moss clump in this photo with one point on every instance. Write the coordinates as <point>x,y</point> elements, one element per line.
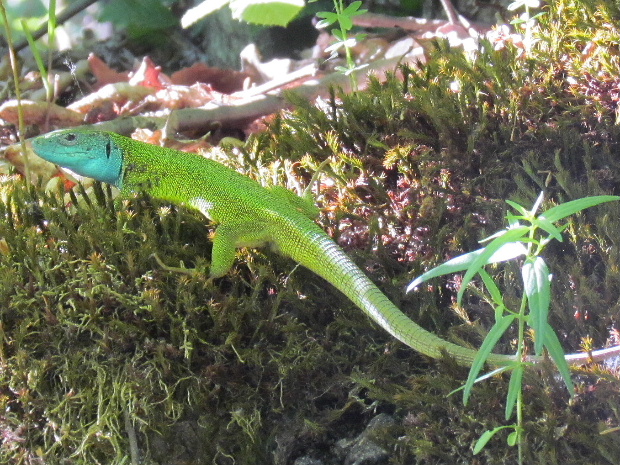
<point>102,353</point>
<point>98,345</point>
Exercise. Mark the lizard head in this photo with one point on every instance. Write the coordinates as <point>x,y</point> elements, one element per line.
<point>94,154</point>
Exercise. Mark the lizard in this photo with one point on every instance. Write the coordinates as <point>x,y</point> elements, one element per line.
<point>247,214</point>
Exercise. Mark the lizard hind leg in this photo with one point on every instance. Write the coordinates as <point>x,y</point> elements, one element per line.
<point>226,239</point>
<point>230,236</point>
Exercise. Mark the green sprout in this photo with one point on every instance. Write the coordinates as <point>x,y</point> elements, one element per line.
<point>343,17</point>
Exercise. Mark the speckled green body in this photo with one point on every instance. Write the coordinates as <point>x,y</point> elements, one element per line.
<point>246,214</point>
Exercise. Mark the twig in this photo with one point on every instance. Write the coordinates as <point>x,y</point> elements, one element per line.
<point>451,13</point>
<point>280,82</point>
<point>67,13</point>
<point>132,438</point>
<point>238,111</point>
<point>410,23</point>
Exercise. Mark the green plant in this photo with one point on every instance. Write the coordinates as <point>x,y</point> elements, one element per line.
<point>51,33</point>
<point>527,236</point>
<point>344,18</point>
<point>274,13</point>
<point>15,72</point>
<point>30,13</point>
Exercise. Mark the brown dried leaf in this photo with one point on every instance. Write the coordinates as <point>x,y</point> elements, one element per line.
<point>225,81</point>
<point>122,94</point>
<point>176,97</point>
<point>103,73</point>
<point>149,75</point>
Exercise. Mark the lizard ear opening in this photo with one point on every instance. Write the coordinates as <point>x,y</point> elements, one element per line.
<point>110,168</point>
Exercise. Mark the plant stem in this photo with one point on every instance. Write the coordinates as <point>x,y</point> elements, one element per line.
<point>519,356</point>
<point>18,96</point>
<point>520,431</point>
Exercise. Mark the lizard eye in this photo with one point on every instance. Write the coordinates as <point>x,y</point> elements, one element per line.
<point>70,139</point>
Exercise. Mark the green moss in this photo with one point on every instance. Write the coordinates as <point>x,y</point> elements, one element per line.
<point>99,345</point>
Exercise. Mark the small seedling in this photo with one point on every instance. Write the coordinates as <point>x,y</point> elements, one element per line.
<point>343,17</point>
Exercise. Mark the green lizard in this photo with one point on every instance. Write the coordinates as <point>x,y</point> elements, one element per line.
<point>247,215</point>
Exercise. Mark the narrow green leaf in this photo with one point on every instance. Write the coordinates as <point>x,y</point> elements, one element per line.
<point>497,234</point>
<point>510,236</point>
<point>524,212</point>
<point>330,17</point>
<point>345,22</point>
<point>513,438</point>
<point>462,262</point>
<point>552,344</point>
<point>486,437</point>
<point>547,226</point>
<point>496,332</point>
<point>537,204</point>
<point>271,13</point>
<point>513,220</point>
<point>514,389</point>
<point>566,209</point>
<point>492,288</point>
<point>353,8</point>
<point>488,375</point>
<point>340,35</point>
<point>537,287</point>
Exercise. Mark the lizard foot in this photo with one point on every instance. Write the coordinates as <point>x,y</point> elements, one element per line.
<point>175,269</point>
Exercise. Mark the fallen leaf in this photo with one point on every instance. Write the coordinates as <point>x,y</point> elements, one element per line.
<point>103,73</point>
<point>40,114</point>
<point>225,81</point>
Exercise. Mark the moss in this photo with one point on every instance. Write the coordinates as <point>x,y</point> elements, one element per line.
<point>98,345</point>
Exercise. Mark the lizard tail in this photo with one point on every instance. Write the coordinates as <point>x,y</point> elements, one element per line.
<point>312,248</point>
<point>309,246</point>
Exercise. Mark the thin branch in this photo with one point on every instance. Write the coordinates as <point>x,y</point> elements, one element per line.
<point>66,14</point>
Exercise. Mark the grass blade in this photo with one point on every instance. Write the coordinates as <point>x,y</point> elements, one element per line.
<point>463,262</point>
<point>552,344</point>
<point>514,389</point>
<point>507,239</point>
<point>498,329</point>
<point>486,437</point>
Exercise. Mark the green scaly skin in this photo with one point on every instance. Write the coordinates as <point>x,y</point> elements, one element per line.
<point>247,215</point>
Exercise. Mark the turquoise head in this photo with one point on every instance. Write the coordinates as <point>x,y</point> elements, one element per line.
<point>94,154</point>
